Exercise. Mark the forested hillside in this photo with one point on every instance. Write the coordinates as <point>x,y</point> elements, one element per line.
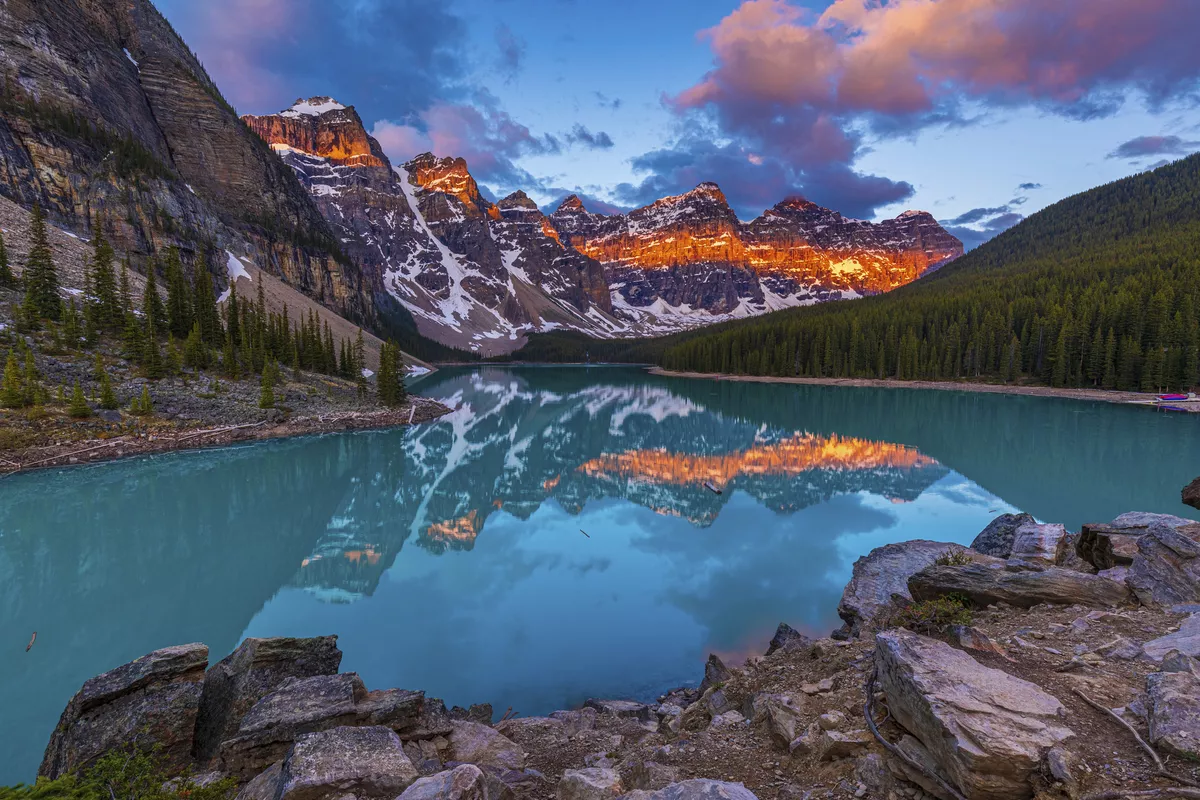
<point>1101,289</point>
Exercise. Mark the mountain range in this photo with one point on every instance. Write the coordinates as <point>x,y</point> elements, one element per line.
<point>480,275</point>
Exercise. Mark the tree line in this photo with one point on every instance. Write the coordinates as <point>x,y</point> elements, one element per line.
<point>186,331</point>
<point>1101,290</point>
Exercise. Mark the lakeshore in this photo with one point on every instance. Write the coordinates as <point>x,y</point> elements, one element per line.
<point>1099,395</point>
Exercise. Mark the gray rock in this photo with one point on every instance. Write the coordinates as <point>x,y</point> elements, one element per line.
<point>782,715</point>
<point>479,712</point>
<point>698,789</point>
<point>647,775</point>
<point>1121,649</point>
<point>576,722</point>
<point>1142,521</point>
<point>1166,569</point>
<point>1191,494</point>
<point>995,581</point>
<point>918,753</point>
<point>1064,768</point>
<point>472,743</point>
<point>787,638</point>
<point>1039,543</point>
<point>843,744</point>
<point>264,785</point>
<point>255,669</point>
<point>997,538</point>
<point>986,730</point>
<point>1176,661</point>
<point>366,763</point>
<point>297,707</point>
<point>150,702</point>
<point>622,709</point>
<point>1106,547</point>
<point>465,782</point>
<point>882,574</point>
<point>716,674</point>
<point>522,729</point>
<point>1173,700</point>
<point>969,638</point>
<point>729,719</point>
<point>594,783</point>
<point>1186,640</point>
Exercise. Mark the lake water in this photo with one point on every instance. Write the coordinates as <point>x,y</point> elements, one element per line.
<point>452,557</point>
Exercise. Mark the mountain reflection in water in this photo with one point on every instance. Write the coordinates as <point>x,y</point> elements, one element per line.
<point>448,557</point>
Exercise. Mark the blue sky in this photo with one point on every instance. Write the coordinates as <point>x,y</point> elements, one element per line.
<point>866,106</point>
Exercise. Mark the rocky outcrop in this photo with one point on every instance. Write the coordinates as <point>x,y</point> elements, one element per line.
<point>1191,494</point>
<point>151,703</point>
<point>1173,706</point>
<point>1045,544</point>
<point>997,538</point>
<point>882,575</point>
<point>365,763</point>
<point>477,744</point>
<point>258,667</point>
<point>464,782</point>
<point>781,715</point>
<point>1166,569</point>
<point>986,730</point>
<point>996,581</point>
<point>787,638</point>
<point>1105,547</point>
<point>1186,640</point>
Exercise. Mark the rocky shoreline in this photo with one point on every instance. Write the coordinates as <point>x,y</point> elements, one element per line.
<point>1101,395</point>
<point>1035,663</point>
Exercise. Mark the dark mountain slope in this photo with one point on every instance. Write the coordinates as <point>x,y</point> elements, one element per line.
<point>1101,289</point>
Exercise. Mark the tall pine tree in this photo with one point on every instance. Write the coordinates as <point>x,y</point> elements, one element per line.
<point>179,297</point>
<point>103,308</point>
<point>7,279</point>
<point>41,276</point>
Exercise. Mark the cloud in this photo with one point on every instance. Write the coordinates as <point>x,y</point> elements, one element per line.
<point>579,135</point>
<point>591,202</point>
<point>1152,146</point>
<point>803,92</point>
<point>479,131</point>
<point>512,52</point>
<point>976,226</point>
<point>604,101</point>
<point>1029,187</point>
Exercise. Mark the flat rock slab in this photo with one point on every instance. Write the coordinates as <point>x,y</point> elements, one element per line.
<point>152,700</point>
<point>465,782</point>
<point>987,730</point>
<point>366,763</point>
<point>593,783</point>
<point>882,574</point>
<point>995,581</point>
<point>1043,543</point>
<point>472,743</point>
<point>697,789</point>
<point>996,539</point>
<point>258,667</point>
<point>1173,703</point>
<point>1166,569</point>
<point>1186,640</point>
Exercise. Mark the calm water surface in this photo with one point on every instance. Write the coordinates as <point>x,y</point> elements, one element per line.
<point>450,557</point>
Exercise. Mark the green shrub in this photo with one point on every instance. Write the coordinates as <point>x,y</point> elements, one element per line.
<point>120,776</point>
<point>953,558</point>
<point>932,616</point>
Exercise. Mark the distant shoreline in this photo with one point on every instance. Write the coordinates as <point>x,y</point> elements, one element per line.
<point>1098,395</point>
<point>96,451</point>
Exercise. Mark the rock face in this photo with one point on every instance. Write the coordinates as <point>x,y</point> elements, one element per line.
<point>1039,543</point>
<point>167,161</point>
<point>1191,494</point>
<point>882,574</point>
<point>1186,641</point>
<point>995,581</point>
<point>464,782</point>
<point>786,638</point>
<point>997,538</point>
<point>311,705</point>
<point>365,763</point>
<point>151,702</point>
<point>1166,569</point>
<point>1105,547</point>
<point>257,668</point>
<point>1173,702</point>
<point>477,744</point>
<point>986,730</point>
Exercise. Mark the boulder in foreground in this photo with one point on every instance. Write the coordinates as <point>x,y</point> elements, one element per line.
<point>1191,494</point>
<point>996,539</point>
<point>995,581</point>
<point>1166,569</point>
<point>464,782</point>
<point>151,702</point>
<point>986,730</point>
<point>365,763</point>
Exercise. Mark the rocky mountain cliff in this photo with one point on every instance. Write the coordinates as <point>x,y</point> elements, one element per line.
<point>106,111</point>
<point>481,276</point>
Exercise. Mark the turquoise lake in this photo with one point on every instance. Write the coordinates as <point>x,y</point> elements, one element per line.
<point>452,557</point>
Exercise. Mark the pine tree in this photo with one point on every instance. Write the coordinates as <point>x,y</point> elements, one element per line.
<point>41,276</point>
<point>179,297</point>
<point>152,364</point>
<point>204,306</point>
<point>7,279</point>
<point>142,405</point>
<point>390,379</point>
<point>32,381</point>
<point>12,393</point>
<point>126,296</point>
<point>153,310</point>
<point>108,398</point>
<point>195,351</point>
<point>360,364</point>
<point>173,364</point>
<point>79,408</point>
<point>71,328</point>
<point>267,396</point>
<point>103,304</point>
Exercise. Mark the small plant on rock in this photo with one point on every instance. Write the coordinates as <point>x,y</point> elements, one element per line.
<point>932,616</point>
<point>953,558</point>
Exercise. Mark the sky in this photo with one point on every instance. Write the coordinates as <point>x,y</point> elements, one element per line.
<point>979,111</point>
